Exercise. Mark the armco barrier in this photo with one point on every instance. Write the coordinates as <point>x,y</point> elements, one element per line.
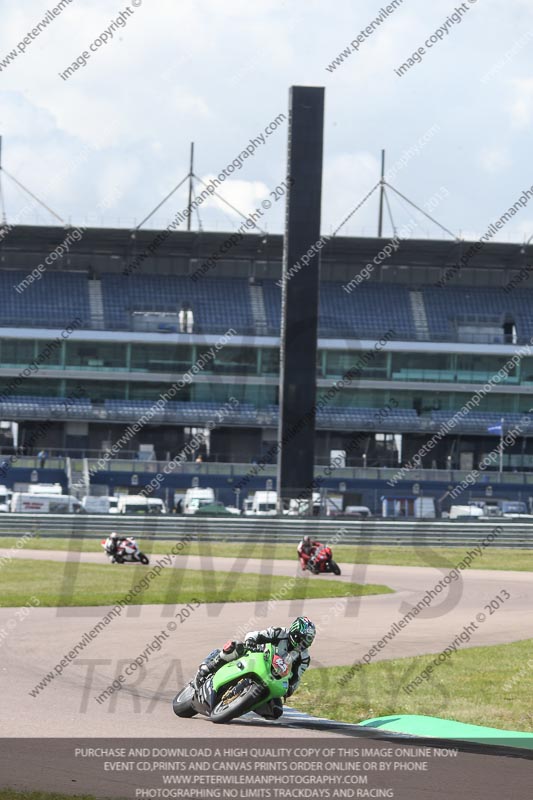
<point>245,529</point>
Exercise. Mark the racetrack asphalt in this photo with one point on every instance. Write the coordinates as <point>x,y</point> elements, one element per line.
<point>67,706</point>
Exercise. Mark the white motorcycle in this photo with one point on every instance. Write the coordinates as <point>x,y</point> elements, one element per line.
<point>127,550</point>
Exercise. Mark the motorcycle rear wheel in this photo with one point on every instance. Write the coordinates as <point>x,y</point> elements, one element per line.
<point>250,694</point>
<point>181,705</point>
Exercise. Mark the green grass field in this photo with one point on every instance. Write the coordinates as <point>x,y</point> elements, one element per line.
<point>57,584</point>
<point>482,685</point>
<point>400,555</point>
<point>11,794</point>
<point>469,687</point>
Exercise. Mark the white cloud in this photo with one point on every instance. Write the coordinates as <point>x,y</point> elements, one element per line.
<point>215,73</point>
<point>243,195</point>
<point>347,179</point>
<point>521,105</point>
<point>494,159</point>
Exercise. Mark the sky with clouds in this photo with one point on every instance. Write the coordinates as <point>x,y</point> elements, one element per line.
<point>109,143</point>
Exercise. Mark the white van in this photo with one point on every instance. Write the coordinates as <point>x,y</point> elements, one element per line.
<point>425,508</point>
<point>465,511</point>
<point>139,504</point>
<point>45,488</point>
<point>247,505</point>
<point>300,507</point>
<point>100,505</point>
<point>328,505</point>
<point>28,503</point>
<point>156,506</point>
<point>5,499</point>
<point>357,512</point>
<point>195,498</point>
<point>264,504</point>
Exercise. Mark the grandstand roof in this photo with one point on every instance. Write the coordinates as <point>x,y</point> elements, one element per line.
<point>111,249</point>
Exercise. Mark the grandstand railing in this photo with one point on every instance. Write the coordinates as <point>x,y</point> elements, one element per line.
<point>261,331</point>
<point>337,418</point>
<point>234,470</point>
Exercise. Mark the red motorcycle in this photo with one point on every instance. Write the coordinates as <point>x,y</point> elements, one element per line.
<point>322,561</point>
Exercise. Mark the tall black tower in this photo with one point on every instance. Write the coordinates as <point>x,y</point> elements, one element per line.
<point>299,304</point>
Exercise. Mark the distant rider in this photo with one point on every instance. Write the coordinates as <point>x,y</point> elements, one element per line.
<point>293,641</point>
<point>306,550</point>
<point>112,543</point>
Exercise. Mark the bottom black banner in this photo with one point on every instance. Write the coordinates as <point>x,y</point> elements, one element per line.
<point>332,767</point>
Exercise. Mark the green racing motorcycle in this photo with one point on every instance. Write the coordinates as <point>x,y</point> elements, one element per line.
<point>237,687</point>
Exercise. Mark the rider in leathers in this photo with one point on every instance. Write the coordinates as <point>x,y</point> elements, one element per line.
<point>292,642</point>
<point>112,543</point>
<point>306,550</point>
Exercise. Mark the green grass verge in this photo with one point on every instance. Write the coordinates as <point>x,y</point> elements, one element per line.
<point>399,555</point>
<point>57,584</point>
<point>11,794</point>
<point>481,685</point>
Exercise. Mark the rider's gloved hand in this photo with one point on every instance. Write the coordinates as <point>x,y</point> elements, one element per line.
<point>232,647</point>
<point>250,642</point>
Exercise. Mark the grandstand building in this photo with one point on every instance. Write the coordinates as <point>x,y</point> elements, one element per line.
<point>133,350</point>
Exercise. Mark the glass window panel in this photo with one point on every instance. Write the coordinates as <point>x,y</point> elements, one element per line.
<point>99,390</point>
<point>477,367</point>
<point>161,357</point>
<point>48,353</point>
<point>96,355</point>
<point>235,361</point>
<point>270,361</point>
<point>18,352</point>
<point>42,387</point>
<point>259,396</point>
<point>422,366</point>
<point>372,364</point>
<point>526,370</point>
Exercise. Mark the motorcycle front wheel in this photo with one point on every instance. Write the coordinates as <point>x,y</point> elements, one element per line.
<point>244,696</point>
<point>181,705</point>
<point>143,559</point>
<point>335,568</point>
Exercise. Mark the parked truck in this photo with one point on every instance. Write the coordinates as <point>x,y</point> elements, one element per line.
<point>103,504</point>
<point>27,503</point>
<point>139,504</point>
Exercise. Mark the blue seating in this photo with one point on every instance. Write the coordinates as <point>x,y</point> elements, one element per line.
<point>367,312</point>
<point>481,421</point>
<point>445,306</point>
<point>53,301</point>
<point>187,412</point>
<point>201,412</point>
<point>218,304</point>
<point>44,407</point>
